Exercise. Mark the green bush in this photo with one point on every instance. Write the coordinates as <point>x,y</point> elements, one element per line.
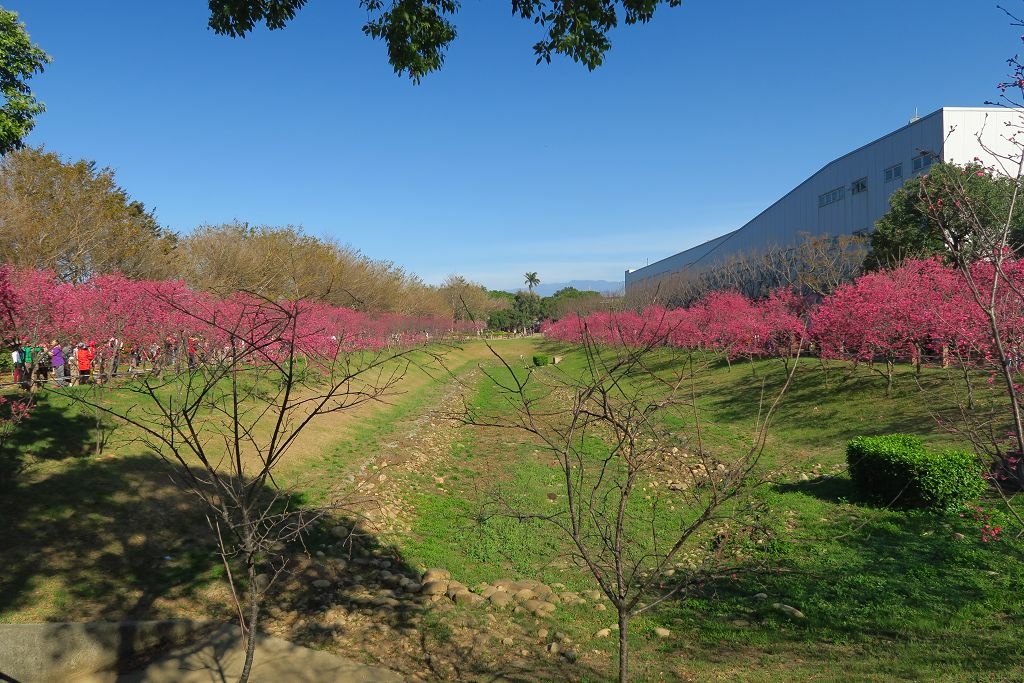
<point>541,360</point>
<point>897,469</point>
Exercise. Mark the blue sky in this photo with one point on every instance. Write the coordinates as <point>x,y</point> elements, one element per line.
<point>496,166</point>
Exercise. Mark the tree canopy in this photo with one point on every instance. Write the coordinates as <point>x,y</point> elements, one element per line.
<point>911,228</point>
<point>19,61</point>
<point>74,219</point>
<point>418,32</point>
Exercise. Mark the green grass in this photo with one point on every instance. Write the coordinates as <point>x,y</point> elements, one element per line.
<point>888,594</point>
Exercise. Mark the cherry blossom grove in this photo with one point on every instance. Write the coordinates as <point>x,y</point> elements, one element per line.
<point>921,307</point>
<point>36,307</point>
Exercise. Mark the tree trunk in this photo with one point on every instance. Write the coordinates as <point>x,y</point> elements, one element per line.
<point>249,629</point>
<point>623,646</point>
<point>888,375</point>
<point>970,387</point>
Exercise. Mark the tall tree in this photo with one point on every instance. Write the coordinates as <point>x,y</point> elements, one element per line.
<point>72,218</point>
<point>531,280</point>
<point>418,32</point>
<point>19,61</point>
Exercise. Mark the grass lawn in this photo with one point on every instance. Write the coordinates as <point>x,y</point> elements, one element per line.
<point>888,594</point>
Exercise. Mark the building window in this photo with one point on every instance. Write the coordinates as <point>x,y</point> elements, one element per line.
<point>859,186</point>
<point>894,172</point>
<point>831,197</point>
<point>923,161</point>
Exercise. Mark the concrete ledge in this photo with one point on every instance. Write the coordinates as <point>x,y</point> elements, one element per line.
<point>61,652</point>
<point>164,652</point>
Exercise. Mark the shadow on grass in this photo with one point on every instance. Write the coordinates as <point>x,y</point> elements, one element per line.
<point>51,432</point>
<point>825,408</point>
<point>907,591</point>
<point>115,539</point>
<point>831,489</point>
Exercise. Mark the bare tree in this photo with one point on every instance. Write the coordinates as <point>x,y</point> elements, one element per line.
<point>640,482</point>
<point>814,266</point>
<point>225,425</point>
<point>977,240</point>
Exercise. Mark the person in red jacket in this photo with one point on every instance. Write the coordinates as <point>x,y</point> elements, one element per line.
<point>84,356</point>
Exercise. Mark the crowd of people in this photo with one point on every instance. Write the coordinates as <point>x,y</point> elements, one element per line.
<point>62,365</point>
<point>56,364</point>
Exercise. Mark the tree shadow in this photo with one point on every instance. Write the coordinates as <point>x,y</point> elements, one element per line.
<point>51,432</point>
<point>874,579</point>
<point>823,410</point>
<point>117,540</point>
<point>832,489</point>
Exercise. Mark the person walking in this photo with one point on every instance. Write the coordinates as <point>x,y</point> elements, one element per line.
<point>71,354</point>
<point>28,368</point>
<point>84,355</point>
<point>57,361</point>
<point>18,360</point>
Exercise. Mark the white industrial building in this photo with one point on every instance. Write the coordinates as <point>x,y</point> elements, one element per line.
<point>849,194</point>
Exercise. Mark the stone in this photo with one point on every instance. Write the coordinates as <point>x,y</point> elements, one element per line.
<point>533,605</point>
<point>594,595</point>
<point>761,596</point>
<point>464,597</point>
<point>436,574</point>
<point>262,582</point>
<point>788,610</point>
<point>662,632</point>
<point>434,587</point>
<point>507,641</point>
<point>740,622</point>
<point>321,583</point>
<point>340,532</point>
<point>525,594</point>
<point>603,633</point>
<point>500,599</point>
<point>804,477</point>
<point>571,656</point>
<point>320,554</point>
<point>488,591</point>
<point>600,607</point>
<point>412,587</point>
<point>958,536</point>
<point>455,587</point>
<point>542,634</point>
<point>553,648</point>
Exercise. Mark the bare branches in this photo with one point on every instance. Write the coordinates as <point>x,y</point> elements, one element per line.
<point>624,426</point>
<point>226,424</point>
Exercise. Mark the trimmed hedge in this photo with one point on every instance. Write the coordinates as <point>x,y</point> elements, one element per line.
<point>897,469</point>
<point>541,360</point>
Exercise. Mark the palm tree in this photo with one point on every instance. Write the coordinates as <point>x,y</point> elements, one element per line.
<point>532,281</point>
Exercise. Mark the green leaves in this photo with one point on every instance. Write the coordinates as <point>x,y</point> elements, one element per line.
<point>418,32</point>
<point>19,61</point>
<point>238,17</point>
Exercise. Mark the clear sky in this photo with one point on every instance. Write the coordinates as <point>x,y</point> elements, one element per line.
<point>496,166</point>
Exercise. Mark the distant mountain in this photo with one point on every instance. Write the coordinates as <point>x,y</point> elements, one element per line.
<point>549,288</point>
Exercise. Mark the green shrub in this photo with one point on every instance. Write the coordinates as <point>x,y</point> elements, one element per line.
<point>541,360</point>
<point>897,469</point>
